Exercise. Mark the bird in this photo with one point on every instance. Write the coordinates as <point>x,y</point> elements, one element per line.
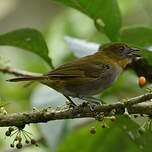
<point>89,75</point>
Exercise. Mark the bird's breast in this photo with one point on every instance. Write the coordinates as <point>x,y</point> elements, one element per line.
<point>105,82</point>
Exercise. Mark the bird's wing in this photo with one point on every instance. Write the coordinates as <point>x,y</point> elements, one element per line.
<point>93,69</point>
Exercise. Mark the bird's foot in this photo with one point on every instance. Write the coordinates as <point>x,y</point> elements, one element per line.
<point>71,103</point>
<point>91,102</point>
<point>91,105</point>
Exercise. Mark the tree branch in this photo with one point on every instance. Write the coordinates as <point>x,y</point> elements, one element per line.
<point>81,111</point>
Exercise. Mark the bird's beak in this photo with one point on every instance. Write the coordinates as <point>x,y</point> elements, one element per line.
<point>134,49</point>
<point>131,51</point>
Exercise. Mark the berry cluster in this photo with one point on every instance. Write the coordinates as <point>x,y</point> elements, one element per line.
<point>103,125</point>
<point>19,134</point>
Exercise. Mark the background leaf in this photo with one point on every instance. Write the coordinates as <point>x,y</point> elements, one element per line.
<point>28,39</point>
<point>137,35</point>
<point>140,37</point>
<point>107,11</point>
<point>130,127</point>
<point>105,140</point>
<point>123,130</point>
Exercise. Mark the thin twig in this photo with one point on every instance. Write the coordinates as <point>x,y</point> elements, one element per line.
<point>18,72</point>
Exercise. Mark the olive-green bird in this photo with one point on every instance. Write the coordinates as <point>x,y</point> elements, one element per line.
<point>88,75</point>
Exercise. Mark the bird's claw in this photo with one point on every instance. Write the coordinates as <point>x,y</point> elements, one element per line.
<point>72,105</point>
<point>91,105</point>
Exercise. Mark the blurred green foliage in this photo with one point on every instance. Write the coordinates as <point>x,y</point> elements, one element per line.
<point>105,140</point>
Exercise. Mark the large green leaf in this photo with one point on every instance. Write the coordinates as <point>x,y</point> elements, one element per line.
<point>105,10</point>
<point>123,134</point>
<point>140,37</point>
<point>143,141</point>
<point>105,140</point>
<point>28,39</point>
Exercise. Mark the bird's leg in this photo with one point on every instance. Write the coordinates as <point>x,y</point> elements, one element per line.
<point>72,104</point>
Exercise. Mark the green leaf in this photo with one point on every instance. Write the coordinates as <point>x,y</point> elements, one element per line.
<point>147,55</point>
<point>28,39</point>
<point>105,10</point>
<point>105,140</point>
<point>140,37</point>
<point>142,140</point>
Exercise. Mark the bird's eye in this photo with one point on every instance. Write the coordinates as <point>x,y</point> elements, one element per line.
<point>121,48</point>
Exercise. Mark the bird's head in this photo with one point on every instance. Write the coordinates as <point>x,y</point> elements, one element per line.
<point>119,51</point>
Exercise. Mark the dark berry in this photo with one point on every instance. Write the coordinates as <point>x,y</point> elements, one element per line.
<point>7,133</point>
<point>33,141</point>
<point>12,145</point>
<point>93,130</point>
<point>27,141</point>
<point>19,146</point>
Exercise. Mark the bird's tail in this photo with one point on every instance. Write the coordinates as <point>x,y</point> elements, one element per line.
<point>27,78</point>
